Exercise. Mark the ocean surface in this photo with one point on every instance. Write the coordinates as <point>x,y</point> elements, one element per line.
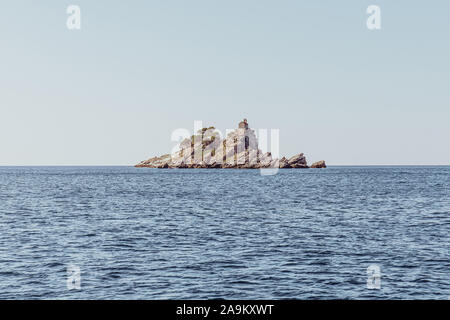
<point>232,234</point>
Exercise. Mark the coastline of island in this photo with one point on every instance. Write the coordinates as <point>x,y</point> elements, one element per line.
<point>239,150</point>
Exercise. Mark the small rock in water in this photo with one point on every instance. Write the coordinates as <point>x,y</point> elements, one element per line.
<point>319,164</point>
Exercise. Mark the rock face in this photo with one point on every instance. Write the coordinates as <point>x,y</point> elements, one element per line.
<point>239,149</point>
<point>319,164</point>
<point>298,161</point>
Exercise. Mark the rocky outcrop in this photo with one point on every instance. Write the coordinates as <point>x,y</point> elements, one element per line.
<point>319,164</point>
<point>284,163</point>
<point>239,149</point>
<point>156,162</point>
<point>298,161</point>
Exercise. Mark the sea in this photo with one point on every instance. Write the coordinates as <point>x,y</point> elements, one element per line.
<point>139,233</point>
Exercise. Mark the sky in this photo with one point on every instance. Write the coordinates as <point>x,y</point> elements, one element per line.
<point>112,92</point>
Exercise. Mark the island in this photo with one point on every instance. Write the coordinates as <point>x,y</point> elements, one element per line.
<point>238,150</point>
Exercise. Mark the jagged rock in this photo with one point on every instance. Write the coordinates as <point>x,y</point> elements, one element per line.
<point>155,162</point>
<point>239,149</point>
<point>215,165</point>
<point>284,163</point>
<point>319,164</point>
<point>275,163</point>
<point>164,165</point>
<point>228,166</point>
<point>298,161</point>
<point>265,159</point>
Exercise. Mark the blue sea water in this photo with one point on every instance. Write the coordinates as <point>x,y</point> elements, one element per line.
<point>232,234</point>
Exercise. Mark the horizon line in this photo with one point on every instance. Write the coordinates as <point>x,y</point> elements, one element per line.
<point>132,166</point>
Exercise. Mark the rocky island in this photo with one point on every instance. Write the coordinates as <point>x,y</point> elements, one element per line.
<point>239,150</point>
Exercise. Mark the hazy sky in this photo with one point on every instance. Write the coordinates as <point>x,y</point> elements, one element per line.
<point>112,92</point>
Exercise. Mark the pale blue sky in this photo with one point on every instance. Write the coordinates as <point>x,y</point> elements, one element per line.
<point>113,92</point>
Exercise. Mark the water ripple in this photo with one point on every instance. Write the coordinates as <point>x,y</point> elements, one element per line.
<point>224,234</point>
